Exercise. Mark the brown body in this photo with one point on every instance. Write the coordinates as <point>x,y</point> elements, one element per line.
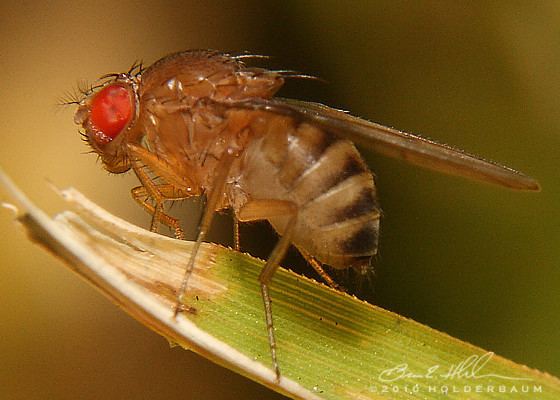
<point>184,121</point>
<point>203,123</point>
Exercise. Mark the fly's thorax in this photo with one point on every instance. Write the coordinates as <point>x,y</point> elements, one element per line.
<point>192,142</point>
<point>192,76</point>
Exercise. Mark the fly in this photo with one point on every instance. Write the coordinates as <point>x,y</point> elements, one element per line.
<point>206,124</point>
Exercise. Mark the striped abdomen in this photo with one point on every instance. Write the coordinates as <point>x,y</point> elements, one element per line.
<point>325,177</point>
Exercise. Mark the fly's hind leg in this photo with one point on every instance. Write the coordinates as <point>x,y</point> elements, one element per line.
<point>266,209</point>
<point>167,192</point>
<point>236,238</point>
<point>318,267</point>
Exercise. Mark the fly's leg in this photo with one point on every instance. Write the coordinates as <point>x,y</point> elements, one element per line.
<point>168,192</point>
<point>159,194</point>
<point>151,189</point>
<point>214,199</point>
<point>265,209</point>
<point>160,168</point>
<point>177,187</point>
<point>236,245</point>
<point>320,270</point>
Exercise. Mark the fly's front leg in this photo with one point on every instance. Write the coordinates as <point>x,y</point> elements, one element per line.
<point>168,192</point>
<point>177,187</point>
<point>151,189</point>
<point>266,209</point>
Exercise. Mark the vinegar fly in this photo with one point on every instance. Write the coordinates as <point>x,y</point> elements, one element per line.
<point>206,124</point>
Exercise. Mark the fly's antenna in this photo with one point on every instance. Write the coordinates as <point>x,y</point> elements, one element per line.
<point>69,97</point>
<point>84,87</point>
<point>75,96</point>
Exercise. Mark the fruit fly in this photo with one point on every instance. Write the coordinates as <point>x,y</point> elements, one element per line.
<point>203,123</point>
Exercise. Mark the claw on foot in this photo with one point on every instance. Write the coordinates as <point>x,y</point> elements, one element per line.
<point>180,308</point>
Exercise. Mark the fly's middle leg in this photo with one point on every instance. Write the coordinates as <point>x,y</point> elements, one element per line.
<point>265,209</point>
<point>214,197</point>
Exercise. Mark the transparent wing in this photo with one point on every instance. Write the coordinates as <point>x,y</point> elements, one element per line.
<point>393,143</point>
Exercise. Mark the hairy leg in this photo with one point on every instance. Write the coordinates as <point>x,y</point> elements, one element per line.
<point>264,209</point>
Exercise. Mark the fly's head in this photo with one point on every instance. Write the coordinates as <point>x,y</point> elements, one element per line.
<point>106,113</point>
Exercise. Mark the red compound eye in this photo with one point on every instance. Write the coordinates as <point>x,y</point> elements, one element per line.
<point>111,110</point>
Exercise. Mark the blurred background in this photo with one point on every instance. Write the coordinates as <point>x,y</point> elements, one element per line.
<point>475,261</point>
